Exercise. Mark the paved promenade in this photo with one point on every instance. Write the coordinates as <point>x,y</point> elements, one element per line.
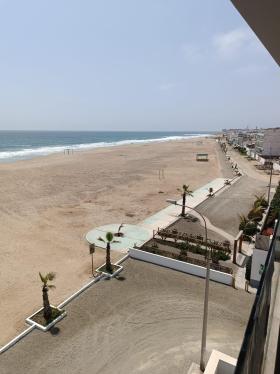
<point>139,234</point>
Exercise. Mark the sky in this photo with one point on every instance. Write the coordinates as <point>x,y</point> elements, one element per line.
<point>133,65</point>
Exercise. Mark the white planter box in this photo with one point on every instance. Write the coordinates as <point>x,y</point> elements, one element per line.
<point>119,269</point>
<point>30,321</point>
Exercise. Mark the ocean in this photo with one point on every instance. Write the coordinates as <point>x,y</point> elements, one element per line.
<point>19,145</point>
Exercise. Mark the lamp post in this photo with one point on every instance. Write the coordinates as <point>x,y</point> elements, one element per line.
<point>270,177</point>
<point>206,294</point>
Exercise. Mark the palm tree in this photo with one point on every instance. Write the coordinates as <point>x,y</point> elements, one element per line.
<point>108,241</point>
<point>185,192</point>
<point>45,288</point>
<point>256,213</point>
<point>243,221</point>
<point>260,201</point>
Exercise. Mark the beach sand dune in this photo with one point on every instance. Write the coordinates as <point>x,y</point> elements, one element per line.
<point>48,204</point>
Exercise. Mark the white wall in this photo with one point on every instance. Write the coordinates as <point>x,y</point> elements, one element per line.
<point>258,261</point>
<point>271,142</point>
<point>261,160</point>
<point>262,241</point>
<point>276,166</point>
<point>181,266</point>
<point>220,363</point>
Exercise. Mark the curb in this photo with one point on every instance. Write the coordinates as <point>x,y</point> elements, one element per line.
<point>16,339</point>
<point>60,306</point>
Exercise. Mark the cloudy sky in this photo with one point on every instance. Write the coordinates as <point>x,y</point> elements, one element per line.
<point>133,65</point>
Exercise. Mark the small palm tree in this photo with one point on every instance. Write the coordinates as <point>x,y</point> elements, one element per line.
<point>119,233</point>
<point>45,288</point>
<point>243,221</point>
<point>256,213</point>
<point>185,191</point>
<point>108,241</point>
<point>260,201</point>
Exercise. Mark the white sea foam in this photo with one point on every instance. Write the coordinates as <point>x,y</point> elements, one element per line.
<point>44,151</point>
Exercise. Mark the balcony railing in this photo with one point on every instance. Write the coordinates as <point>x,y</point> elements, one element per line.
<point>251,356</point>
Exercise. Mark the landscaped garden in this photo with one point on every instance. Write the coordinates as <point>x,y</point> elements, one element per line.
<point>273,214</point>
<point>250,224</point>
<point>184,241</point>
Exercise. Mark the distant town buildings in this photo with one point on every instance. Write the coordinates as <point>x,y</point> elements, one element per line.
<point>260,144</point>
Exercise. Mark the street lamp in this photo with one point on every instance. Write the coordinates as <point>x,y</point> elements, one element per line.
<point>206,295</point>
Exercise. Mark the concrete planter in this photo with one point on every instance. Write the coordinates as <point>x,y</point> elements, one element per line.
<point>31,322</point>
<point>116,272</point>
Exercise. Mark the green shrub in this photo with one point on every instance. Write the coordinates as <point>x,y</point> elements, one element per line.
<point>219,256</point>
<point>250,229</point>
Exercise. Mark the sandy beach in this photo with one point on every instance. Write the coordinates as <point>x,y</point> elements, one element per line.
<point>48,204</point>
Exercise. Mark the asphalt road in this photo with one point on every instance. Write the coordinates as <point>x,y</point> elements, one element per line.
<point>224,209</point>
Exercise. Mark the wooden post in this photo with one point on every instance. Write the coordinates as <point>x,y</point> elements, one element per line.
<point>240,243</point>
<point>91,252</point>
<point>234,251</point>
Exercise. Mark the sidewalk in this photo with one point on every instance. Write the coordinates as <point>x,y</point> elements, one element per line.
<point>169,214</point>
<point>139,234</point>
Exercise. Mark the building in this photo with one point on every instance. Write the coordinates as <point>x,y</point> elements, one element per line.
<point>271,142</point>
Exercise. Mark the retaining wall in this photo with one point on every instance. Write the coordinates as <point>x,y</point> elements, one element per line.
<point>185,267</point>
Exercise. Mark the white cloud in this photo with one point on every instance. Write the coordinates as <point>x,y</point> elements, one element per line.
<point>231,44</point>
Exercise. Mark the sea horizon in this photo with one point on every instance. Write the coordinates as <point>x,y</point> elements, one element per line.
<point>26,144</point>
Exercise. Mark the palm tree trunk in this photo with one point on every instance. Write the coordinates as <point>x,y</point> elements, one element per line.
<point>46,304</point>
<point>183,205</point>
<point>108,258</point>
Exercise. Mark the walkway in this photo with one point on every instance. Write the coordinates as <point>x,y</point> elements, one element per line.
<point>169,214</point>
<point>139,234</point>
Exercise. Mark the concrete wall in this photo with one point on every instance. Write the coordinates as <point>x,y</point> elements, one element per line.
<point>262,242</point>
<point>258,261</point>
<point>225,368</point>
<point>220,363</point>
<point>181,266</point>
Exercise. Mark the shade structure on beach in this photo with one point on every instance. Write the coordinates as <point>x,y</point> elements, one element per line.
<point>132,234</point>
<point>202,157</point>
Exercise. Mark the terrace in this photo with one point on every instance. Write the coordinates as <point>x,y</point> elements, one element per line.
<point>147,320</point>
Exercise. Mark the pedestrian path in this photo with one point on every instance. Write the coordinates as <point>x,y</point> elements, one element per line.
<point>169,214</point>
<point>139,234</point>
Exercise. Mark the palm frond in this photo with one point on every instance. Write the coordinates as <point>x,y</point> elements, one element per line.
<point>43,279</point>
<point>109,236</point>
<point>51,286</point>
<point>50,276</point>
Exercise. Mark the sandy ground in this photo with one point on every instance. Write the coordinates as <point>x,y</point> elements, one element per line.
<point>47,205</point>
<point>148,321</point>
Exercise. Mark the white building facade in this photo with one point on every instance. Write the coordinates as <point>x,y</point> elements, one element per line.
<point>271,142</point>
